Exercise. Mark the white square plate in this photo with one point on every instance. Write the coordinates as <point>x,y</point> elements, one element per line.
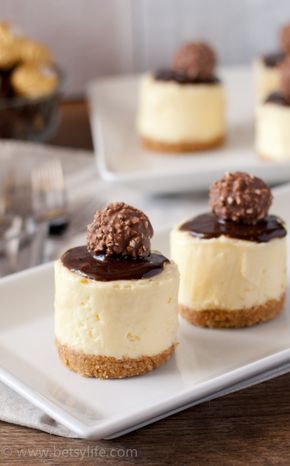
<point>120,158</point>
<point>206,364</point>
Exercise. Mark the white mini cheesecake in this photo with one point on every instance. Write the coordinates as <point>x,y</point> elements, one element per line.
<point>266,76</point>
<point>183,109</point>
<point>273,120</point>
<point>266,68</point>
<point>115,310</point>
<point>232,274</point>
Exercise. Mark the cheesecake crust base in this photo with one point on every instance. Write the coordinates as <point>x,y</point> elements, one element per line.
<point>268,158</point>
<point>233,319</point>
<point>192,146</point>
<point>108,367</point>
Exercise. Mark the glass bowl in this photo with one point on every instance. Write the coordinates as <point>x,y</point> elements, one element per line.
<point>30,119</point>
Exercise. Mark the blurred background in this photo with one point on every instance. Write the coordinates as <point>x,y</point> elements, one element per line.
<point>49,190</point>
<point>95,37</point>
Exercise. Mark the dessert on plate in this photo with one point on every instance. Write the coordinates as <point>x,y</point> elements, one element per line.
<point>182,109</point>
<point>273,120</point>
<point>115,299</point>
<point>266,67</point>
<point>232,260</point>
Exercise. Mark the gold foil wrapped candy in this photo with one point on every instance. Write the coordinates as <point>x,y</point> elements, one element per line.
<point>34,80</point>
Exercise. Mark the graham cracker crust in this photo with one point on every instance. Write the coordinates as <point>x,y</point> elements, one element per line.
<point>158,146</point>
<point>107,367</point>
<point>268,158</point>
<point>233,319</point>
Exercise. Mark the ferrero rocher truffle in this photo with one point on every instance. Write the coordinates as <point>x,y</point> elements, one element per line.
<point>33,52</point>
<point>284,69</point>
<point>120,230</point>
<point>34,80</point>
<point>8,33</point>
<point>196,60</point>
<point>285,38</point>
<point>9,55</point>
<point>240,197</point>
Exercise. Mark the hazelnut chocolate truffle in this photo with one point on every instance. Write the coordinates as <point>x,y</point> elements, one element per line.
<point>240,197</point>
<point>232,260</point>
<point>9,56</point>
<point>120,229</point>
<point>195,60</point>
<point>115,299</point>
<point>273,120</point>
<point>181,109</point>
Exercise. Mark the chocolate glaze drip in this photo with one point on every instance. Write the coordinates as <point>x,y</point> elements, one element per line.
<point>279,99</point>
<point>181,78</point>
<point>103,268</point>
<point>273,59</point>
<point>208,226</point>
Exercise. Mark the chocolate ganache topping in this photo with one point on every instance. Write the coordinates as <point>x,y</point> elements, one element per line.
<point>193,63</point>
<point>240,204</point>
<point>271,60</point>
<point>118,247</point>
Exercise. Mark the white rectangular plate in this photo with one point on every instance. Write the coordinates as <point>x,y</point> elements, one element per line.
<point>206,361</point>
<point>120,158</point>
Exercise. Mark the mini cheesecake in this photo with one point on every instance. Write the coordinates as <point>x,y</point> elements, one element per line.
<point>115,300</point>
<point>266,68</point>
<point>232,272</point>
<point>266,74</point>
<point>183,109</point>
<point>273,120</point>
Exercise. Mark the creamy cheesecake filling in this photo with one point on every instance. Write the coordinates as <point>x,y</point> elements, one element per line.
<point>266,79</point>
<point>171,112</point>
<point>272,131</point>
<point>226,273</point>
<point>119,318</point>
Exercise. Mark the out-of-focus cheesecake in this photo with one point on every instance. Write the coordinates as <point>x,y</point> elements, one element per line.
<point>232,261</point>
<point>273,120</point>
<point>267,75</point>
<point>115,300</point>
<point>183,109</point>
<point>266,68</point>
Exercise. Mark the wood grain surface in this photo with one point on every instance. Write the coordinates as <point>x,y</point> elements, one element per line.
<point>251,427</point>
<point>74,130</point>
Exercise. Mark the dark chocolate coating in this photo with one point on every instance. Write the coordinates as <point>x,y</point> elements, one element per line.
<point>104,268</point>
<point>207,226</point>
<point>278,98</point>
<point>182,78</point>
<point>273,59</point>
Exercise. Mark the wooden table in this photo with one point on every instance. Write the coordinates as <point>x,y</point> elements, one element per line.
<point>248,427</point>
